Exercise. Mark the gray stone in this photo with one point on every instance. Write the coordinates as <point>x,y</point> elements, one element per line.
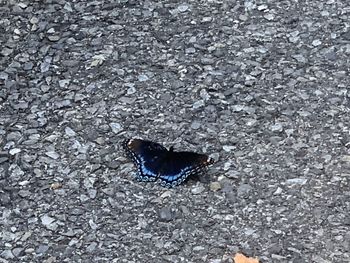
<point>45,65</point>
<point>28,66</point>
<point>198,189</point>
<point>277,127</point>
<point>92,193</point>
<point>69,132</point>
<point>166,214</point>
<point>14,151</point>
<point>91,247</point>
<point>198,104</point>
<point>6,51</point>
<point>183,8</point>
<point>47,220</point>
<point>53,155</point>
<point>195,125</point>
<point>63,83</point>
<point>63,103</point>
<point>243,189</point>
<point>54,38</point>
<point>7,254</point>
<point>143,77</point>
<point>42,249</point>
<point>18,251</point>
<point>116,127</point>
<point>296,181</point>
<point>24,193</point>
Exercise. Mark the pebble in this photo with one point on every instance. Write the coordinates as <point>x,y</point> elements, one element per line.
<point>54,38</point>
<point>228,148</point>
<point>198,189</point>
<point>34,20</point>
<point>28,66</point>
<point>262,7</point>
<point>42,249</point>
<point>6,51</point>
<point>228,165</point>
<point>69,132</point>
<point>278,191</point>
<point>243,189</point>
<point>165,214</point>
<point>29,250</point>
<point>97,60</point>
<point>53,155</point>
<point>215,186</point>
<point>63,83</point>
<point>190,50</point>
<point>63,103</point>
<point>131,90</point>
<point>183,8</point>
<point>68,7</point>
<point>7,254</point>
<point>92,193</point>
<point>300,58</point>
<point>269,17</point>
<point>17,251</point>
<point>22,5</point>
<point>166,194</point>
<point>195,125</point>
<point>116,127</point>
<point>45,65</point>
<point>232,174</point>
<point>198,104</point>
<point>143,77</point>
<point>346,158</point>
<point>55,186</point>
<point>206,19</point>
<point>47,220</point>
<point>296,181</point>
<point>14,151</point>
<point>316,42</point>
<point>120,72</point>
<point>24,193</point>
<point>277,127</point>
<point>92,247</point>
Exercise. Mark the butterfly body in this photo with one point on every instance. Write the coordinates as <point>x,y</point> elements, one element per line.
<point>155,162</point>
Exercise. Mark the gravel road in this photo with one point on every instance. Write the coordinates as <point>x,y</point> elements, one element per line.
<point>260,86</point>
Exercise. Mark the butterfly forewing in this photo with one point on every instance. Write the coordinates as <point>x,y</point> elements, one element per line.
<point>147,156</point>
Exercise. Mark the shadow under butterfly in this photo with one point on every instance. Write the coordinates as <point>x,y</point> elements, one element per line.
<point>155,162</point>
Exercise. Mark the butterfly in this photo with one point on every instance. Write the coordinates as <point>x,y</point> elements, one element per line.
<point>155,162</point>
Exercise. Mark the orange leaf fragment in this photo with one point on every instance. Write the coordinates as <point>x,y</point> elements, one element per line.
<point>240,258</point>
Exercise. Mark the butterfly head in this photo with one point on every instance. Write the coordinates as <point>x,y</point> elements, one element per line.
<point>132,143</point>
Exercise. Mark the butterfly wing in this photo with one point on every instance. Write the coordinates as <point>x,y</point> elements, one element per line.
<point>147,156</point>
<point>178,166</point>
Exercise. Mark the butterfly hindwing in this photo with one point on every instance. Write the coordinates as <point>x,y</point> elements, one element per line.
<point>181,165</point>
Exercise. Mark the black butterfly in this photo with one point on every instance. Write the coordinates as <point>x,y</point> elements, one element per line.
<point>156,162</point>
